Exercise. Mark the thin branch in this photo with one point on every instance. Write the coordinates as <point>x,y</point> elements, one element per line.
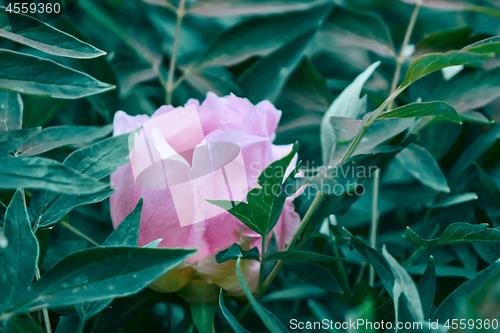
<point>45,312</point>
<point>79,233</point>
<point>175,47</point>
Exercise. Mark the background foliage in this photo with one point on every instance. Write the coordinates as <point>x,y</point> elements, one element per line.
<point>438,191</point>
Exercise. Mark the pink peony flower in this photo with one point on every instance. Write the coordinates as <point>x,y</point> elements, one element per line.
<point>228,119</point>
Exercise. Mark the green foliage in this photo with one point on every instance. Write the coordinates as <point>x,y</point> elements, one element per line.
<point>235,252</point>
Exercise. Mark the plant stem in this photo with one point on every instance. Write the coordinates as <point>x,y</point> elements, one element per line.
<point>374,222</point>
<point>175,47</point>
<point>413,257</point>
<point>344,279</point>
<point>45,312</point>
<point>262,260</point>
<point>79,233</point>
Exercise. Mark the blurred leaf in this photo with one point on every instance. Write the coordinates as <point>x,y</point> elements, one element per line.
<point>260,36</point>
<point>488,45</point>
<point>404,285</point>
<point>44,173</point>
<point>11,140</point>
<point>444,40</point>
<point>441,110</point>
<point>22,323</point>
<point>217,80</point>
<point>229,317</point>
<point>11,111</point>
<point>127,232</point>
<point>266,78</point>
<point>295,293</point>
<point>264,206</point>
<point>31,75</point>
<point>270,320</point>
<point>489,185</point>
<point>19,257</point>
<point>31,32</point>
<point>58,136</point>
<point>250,7</point>
<point>470,90</point>
<point>364,311</point>
<point>473,151</point>
<point>321,313</point>
<point>235,252</point>
<point>318,275</point>
<point>458,5</point>
<point>450,307</point>
<point>430,63</point>
<point>455,233</point>
<point>347,105</point>
<point>420,164</point>
<point>476,117</point>
<point>427,287</point>
<point>98,273</point>
<point>454,199</point>
<point>51,108</point>
<point>301,256</point>
<point>355,28</point>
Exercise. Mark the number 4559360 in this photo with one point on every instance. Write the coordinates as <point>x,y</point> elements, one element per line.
<point>32,8</point>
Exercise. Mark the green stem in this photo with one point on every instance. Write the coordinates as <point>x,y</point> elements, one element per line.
<point>344,279</point>
<point>79,233</point>
<point>374,222</point>
<point>45,312</point>
<point>262,260</point>
<point>413,257</point>
<point>175,47</point>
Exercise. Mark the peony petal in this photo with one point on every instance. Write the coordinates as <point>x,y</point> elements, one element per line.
<point>123,123</point>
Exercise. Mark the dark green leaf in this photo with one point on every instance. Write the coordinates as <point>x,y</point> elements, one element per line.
<point>356,28</point>
<point>22,323</point>
<point>348,105</point>
<point>31,32</point>
<point>58,136</point>
<point>476,117</point>
<point>488,45</point>
<point>266,78</point>
<point>301,256</point>
<point>11,111</point>
<point>454,199</point>
<point>265,204</point>
<point>295,293</point>
<point>44,173</point>
<point>99,273</point>
<point>11,140</point>
<point>259,36</point>
<point>451,306</point>
<point>421,165</point>
<point>31,75</point>
<point>318,275</point>
<point>229,317</point>
<point>427,287</point>
<point>19,257</point>
<point>444,40</point>
<point>254,7</point>
<point>235,252</point>
<point>270,320</point>
<point>441,110</point>
<point>127,232</point>
<point>364,311</point>
<point>433,62</point>
<point>456,233</point>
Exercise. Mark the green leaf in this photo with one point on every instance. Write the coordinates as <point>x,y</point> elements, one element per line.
<point>470,90</point>
<point>98,273</point>
<point>451,306</point>
<point>19,257</point>
<point>266,78</point>
<point>11,111</point>
<point>356,28</point>
<point>473,151</point>
<point>11,140</point>
<point>44,173</point>
<point>301,256</point>
<point>457,233</point>
<point>127,232</point>
<point>270,320</point>
<point>235,252</point>
<point>100,159</point>
<point>22,323</point>
<point>218,8</point>
<point>321,312</point>
<point>318,275</point>
<point>457,5</point>
<point>488,45</point>
<point>444,40</point>
<point>264,206</point>
<point>58,136</point>
<point>430,63</point>
<point>454,199</point>
<point>31,32</point>
<point>420,164</point>
<point>32,75</point>
<point>404,285</point>
<point>295,293</point>
<point>364,311</point>
<point>476,117</point>
<point>259,36</point>
<point>427,287</point>
<point>347,105</point>
<point>229,317</point>
<point>440,110</point>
